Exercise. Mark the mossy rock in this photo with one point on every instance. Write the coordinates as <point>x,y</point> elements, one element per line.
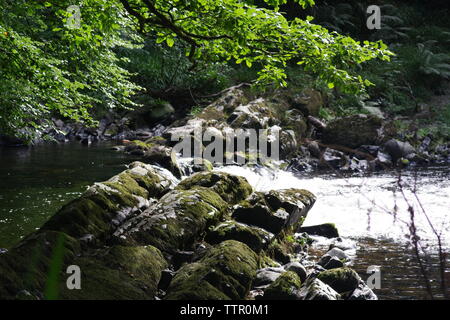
<point>275,211</point>
<point>105,205</point>
<point>353,131</point>
<point>34,265</point>
<point>256,238</point>
<point>258,114</point>
<point>176,221</point>
<point>164,157</point>
<point>340,279</point>
<point>225,272</point>
<point>231,188</point>
<point>284,288</point>
<point>314,289</point>
<point>118,273</point>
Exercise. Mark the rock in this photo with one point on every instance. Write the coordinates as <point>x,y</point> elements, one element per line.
<point>166,277</point>
<point>164,157</point>
<point>256,238</point>
<point>266,276</point>
<point>225,272</point>
<point>18,272</point>
<point>189,166</point>
<point>367,151</point>
<point>336,253</point>
<point>314,289</point>
<point>118,273</point>
<point>161,110</point>
<point>363,292</point>
<point>353,131</point>
<point>285,287</point>
<point>296,122</point>
<point>308,102</point>
<point>327,230</point>
<point>397,149</point>
<point>105,205</point>
<point>333,263</point>
<point>332,159</point>
<point>341,279</point>
<point>314,149</point>
<point>258,114</point>
<point>319,125</point>
<point>275,210</point>
<point>226,104</point>
<point>3,250</point>
<point>175,221</point>
<point>298,268</point>
<point>231,188</point>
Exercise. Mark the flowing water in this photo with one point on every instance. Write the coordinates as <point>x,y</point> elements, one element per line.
<point>36,182</point>
<point>371,211</point>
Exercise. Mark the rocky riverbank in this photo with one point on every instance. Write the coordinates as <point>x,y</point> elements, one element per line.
<point>145,235</point>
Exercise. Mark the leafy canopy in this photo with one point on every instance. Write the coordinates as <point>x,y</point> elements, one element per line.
<point>218,30</point>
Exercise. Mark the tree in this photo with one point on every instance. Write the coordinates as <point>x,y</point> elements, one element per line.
<point>217,30</point>
<point>47,69</point>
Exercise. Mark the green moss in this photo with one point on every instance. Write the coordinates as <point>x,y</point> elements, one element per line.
<point>119,273</point>
<point>231,188</point>
<point>340,279</point>
<point>179,218</point>
<point>35,264</point>
<point>256,238</point>
<point>284,288</point>
<point>225,272</point>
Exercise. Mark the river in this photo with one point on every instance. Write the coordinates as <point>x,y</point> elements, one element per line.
<point>35,182</point>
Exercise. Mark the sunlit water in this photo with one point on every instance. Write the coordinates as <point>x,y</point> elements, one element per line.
<point>372,211</point>
<point>36,182</point>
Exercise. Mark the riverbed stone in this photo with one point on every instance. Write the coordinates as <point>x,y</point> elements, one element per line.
<point>32,264</point>
<point>231,188</point>
<point>256,238</point>
<point>315,289</point>
<point>285,287</point>
<point>225,272</point>
<point>298,268</point>
<point>266,276</point>
<point>353,131</point>
<point>175,221</point>
<point>327,230</point>
<point>105,205</point>
<point>275,210</point>
<point>118,273</point>
<point>341,279</point>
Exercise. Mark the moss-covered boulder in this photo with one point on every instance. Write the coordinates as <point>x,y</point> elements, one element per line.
<point>225,272</point>
<point>353,131</point>
<point>327,230</point>
<point>176,221</point>
<point>118,273</point>
<point>256,238</point>
<point>231,188</point>
<point>31,269</point>
<point>164,157</point>
<point>258,114</point>
<point>340,279</point>
<point>106,205</point>
<point>285,287</point>
<point>314,289</point>
<point>275,210</point>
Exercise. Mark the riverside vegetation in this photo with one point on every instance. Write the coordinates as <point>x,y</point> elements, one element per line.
<point>169,228</point>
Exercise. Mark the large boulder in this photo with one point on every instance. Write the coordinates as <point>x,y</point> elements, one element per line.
<point>30,268</point>
<point>118,273</point>
<point>275,210</point>
<point>285,287</point>
<point>225,272</point>
<point>256,238</point>
<point>231,188</point>
<point>308,102</point>
<point>353,131</point>
<point>258,114</point>
<point>398,149</point>
<point>175,221</point>
<point>340,279</point>
<point>104,206</point>
<point>327,230</point>
<point>314,289</point>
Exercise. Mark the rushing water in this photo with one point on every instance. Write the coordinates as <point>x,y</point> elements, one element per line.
<point>36,182</point>
<point>372,211</point>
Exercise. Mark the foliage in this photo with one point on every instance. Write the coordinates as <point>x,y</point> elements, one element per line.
<point>48,69</point>
<point>224,30</point>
